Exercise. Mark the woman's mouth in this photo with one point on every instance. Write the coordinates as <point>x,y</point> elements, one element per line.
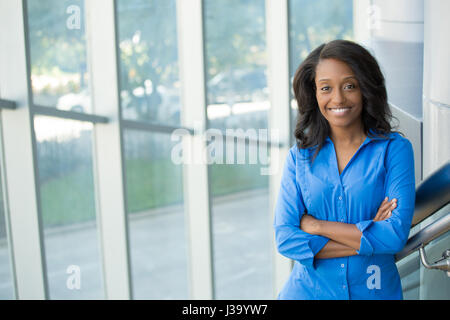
<point>340,111</point>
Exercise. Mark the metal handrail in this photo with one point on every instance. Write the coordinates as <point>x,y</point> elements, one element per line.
<point>425,236</point>
<point>431,196</point>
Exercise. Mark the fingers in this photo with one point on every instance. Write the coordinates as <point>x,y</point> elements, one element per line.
<point>388,209</point>
<point>385,210</point>
<point>384,205</point>
<point>381,209</point>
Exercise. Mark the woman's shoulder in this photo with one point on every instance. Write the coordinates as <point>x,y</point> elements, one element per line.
<point>392,138</point>
<point>398,139</point>
<point>398,147</point>
<point>298,153</point>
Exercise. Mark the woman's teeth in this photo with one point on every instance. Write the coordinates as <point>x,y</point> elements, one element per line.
<point>340,110</point>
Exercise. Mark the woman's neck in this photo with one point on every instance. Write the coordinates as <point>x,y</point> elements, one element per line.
<point>348,136</point>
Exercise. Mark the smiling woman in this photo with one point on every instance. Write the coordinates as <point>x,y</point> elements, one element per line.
<point>348,75</point>
<point>333,216</point>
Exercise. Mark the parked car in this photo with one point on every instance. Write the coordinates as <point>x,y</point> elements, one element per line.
<point>237,85</point>
<point>79,102</point>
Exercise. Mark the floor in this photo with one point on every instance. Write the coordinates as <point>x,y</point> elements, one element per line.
<point>242,251</point>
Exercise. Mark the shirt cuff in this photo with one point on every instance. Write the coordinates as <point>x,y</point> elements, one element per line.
<point>315,245</point>
<point>365,248</point>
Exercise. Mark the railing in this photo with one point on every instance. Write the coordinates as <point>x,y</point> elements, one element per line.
<point>431,195</point>
<point>7,104</point>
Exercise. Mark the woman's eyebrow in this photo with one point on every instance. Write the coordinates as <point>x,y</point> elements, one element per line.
<point>349,77</point>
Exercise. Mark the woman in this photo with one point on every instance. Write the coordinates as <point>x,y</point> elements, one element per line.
<point>348,189</point>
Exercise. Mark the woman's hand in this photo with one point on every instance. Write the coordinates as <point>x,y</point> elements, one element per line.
<point>309,224</point>
<point>385,209</point>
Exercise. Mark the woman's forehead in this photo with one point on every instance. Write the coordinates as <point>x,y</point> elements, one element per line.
<point>328,69</point>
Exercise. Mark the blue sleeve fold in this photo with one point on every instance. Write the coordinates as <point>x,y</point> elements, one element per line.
<point>389,236</point>
<point>291,241</point>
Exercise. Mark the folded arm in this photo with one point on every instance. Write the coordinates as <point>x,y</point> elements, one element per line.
<point>333,249</point>
<point>389,236</point>
<point>378,236</point>
<point>291,241</point>
<point>344,233</point>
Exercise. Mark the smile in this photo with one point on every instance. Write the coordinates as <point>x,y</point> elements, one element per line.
<point>340,111</point>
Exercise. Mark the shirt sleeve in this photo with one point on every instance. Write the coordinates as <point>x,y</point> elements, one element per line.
<point>389,236</point>
<point>291,241</point>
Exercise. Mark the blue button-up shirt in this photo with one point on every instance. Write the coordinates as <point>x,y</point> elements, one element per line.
<point>381,167</point>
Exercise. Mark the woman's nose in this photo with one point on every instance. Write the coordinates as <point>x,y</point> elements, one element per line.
<point>338,97</point>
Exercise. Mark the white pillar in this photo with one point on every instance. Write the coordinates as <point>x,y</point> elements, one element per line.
<point>436,129</point>
<point>195,175</point>
<point>20,155</point>
<point>108,155</point>
<point>363,20</point>
<point>278,80</point>
<point>436,86</point>
<point>393,32</point>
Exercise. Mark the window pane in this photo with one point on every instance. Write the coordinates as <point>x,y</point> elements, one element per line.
<point>6,277</point>
<point>67,194</point>
<point>57,41</point>
<point>241,227</point>
<point>312,23</point>
<point>237,98</point>
<point>149,80</point>
<point>235,44</point>
<point>155,214</point>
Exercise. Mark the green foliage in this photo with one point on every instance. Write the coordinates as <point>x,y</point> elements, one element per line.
<point>53,46</point>
<point>232,178</point>
<point>148,52</point>
<point>152,183</point>
<point>234,35</point>
<point>69,199</point>
<point>148,42</point>
<point>312,23</point>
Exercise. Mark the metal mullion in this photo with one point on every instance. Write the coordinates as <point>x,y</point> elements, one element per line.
<point>152,127</point>
<point>64,114</point>
<point>34,150</point>
<point>257,141</point>
<point>8,104</point>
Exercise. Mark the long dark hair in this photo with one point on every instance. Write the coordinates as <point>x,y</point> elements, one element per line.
<point>312,128</point>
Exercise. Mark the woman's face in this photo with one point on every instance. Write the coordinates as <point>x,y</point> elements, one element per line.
<point>338,93</point>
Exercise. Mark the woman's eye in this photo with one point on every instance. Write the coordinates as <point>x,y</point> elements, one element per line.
<point>324,88</point>
<point>350,86</point>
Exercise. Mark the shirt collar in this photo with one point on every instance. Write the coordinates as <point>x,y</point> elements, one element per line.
<point>370,137</point>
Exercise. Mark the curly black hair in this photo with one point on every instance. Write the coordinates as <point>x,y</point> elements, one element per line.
<point>312,128</point>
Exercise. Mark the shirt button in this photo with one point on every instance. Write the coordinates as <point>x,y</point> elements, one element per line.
<point>342,265</point>
<point>343,287</point>
<point>340,198</point>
